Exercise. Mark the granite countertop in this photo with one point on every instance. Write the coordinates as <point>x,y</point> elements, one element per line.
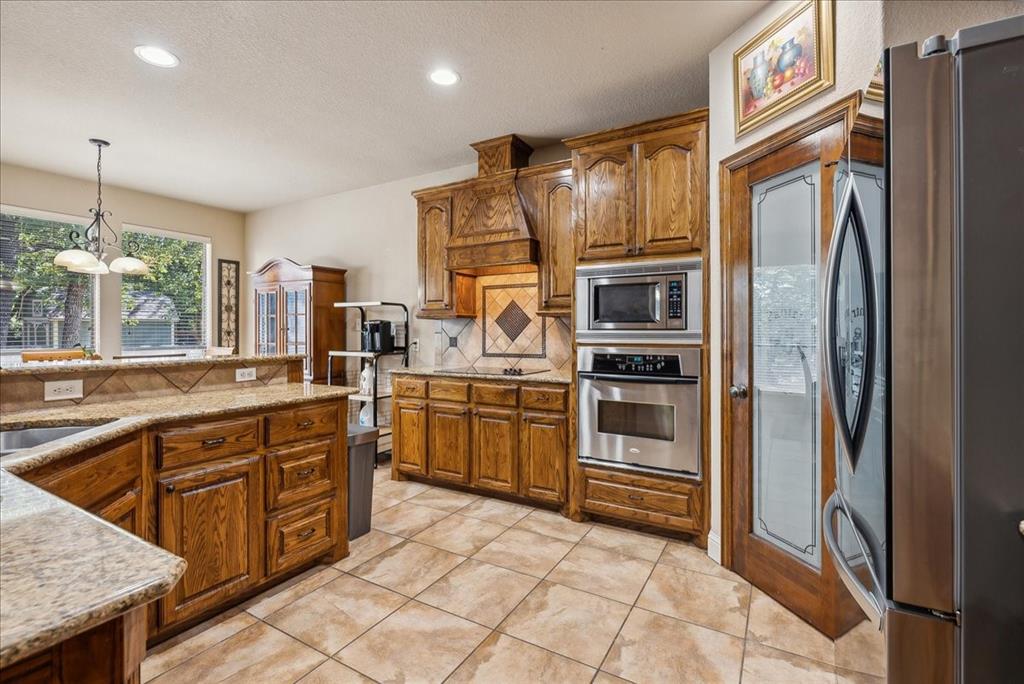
<point>45,367</point>
<point>555,377</point>
<point>63,570</point>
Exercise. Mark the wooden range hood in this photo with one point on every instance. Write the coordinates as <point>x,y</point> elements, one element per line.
<point>490,232</point>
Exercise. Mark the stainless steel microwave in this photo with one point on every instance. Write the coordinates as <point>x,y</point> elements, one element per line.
<point>639,302</point>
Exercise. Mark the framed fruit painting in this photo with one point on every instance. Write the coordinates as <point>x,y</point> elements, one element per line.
<point>790,60</point>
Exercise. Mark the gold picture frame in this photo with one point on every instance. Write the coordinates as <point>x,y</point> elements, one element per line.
<point>876,89</point>
<point>790,60</point>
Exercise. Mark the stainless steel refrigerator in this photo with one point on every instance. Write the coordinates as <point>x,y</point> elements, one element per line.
<point>923,339</point>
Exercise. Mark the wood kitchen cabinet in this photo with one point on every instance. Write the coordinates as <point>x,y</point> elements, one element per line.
<point>493,436</point>
<point>547,192</point>
<point>409,436</point>
<point>210,515</point>
<point>641,190</point>
<point>442,293</point>
<point>449,442</point>
<point>543,445</point>
<point>495,452</point>
<point>295,314</point>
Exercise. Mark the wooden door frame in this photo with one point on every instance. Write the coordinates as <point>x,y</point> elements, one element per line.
<point>733,169</point>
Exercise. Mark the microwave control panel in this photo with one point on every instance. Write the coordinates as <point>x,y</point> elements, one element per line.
<point>675,299</point>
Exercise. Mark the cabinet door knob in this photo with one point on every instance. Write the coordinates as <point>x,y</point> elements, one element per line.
<point>169,489</point>
<point>305,424</point>
<point>640,249</point>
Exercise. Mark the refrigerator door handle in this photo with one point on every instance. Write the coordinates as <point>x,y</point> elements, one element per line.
<point>851,214</point>
<point>867,600</point>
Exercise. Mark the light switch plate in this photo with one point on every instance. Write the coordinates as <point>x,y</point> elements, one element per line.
<point>62,389</point>
<point>245,374</point>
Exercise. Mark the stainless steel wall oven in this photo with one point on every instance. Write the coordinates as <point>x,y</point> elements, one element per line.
<point>640,407</point>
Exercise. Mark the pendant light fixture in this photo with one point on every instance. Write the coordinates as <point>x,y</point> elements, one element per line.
<point>90,246</point>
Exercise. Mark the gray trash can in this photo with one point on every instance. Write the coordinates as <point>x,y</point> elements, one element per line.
<point>362,449</point>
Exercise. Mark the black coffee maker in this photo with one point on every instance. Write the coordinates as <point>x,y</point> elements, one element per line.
<point>378,336</point>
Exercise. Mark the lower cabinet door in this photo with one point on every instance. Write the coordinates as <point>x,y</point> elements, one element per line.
<point>212,517</point>
<point>409,436</point>
<point>124,511</point>
<point>543,446</point>
<point>495,449</point>
<point>449,442</point>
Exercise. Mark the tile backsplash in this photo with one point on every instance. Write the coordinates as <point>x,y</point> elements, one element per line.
<point>506,331</point>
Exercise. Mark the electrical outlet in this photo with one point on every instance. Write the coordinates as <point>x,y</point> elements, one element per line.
<point>245,374</point>
<point>62,389</point>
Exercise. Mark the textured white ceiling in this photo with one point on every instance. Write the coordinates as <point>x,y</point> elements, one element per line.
<point>279,101</point>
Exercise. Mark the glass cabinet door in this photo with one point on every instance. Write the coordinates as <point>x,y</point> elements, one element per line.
<point>266,322</point>
<point>296,322</point>
<point>785,317</point>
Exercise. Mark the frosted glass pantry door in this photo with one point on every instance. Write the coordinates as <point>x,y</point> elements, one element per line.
<point>786,406</point>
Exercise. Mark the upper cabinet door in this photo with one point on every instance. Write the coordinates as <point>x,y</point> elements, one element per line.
<point>606,201</point>
<point>435,283</point>
<point>557,269</point>
<point>671,190</point>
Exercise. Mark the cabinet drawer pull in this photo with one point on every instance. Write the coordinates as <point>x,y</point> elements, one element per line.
<point>636,497</point>
<point>305,424</point>
<point>305,472</point>
<point>214,442</point>
<point>307,534</point>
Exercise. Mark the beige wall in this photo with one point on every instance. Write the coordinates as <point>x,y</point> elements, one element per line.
<point>370,231</point>
<point>858,46</point>
<point>33,189</point>
<point>863,28</point>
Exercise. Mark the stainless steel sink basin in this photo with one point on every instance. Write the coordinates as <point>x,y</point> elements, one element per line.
<point>15,440</point>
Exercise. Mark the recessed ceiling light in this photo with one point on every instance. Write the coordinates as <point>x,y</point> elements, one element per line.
<point>157,56</point>
<point>445,77</point>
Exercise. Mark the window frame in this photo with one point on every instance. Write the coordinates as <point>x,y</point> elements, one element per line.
<point>59,217</point>
<point>207,291</point>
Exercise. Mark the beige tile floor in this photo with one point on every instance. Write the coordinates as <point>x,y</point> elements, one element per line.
<point>453,587</point>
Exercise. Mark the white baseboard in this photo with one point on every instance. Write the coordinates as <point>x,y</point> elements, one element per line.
<point>715,547</point>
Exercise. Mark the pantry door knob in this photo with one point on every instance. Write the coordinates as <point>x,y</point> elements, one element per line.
<point>738,391</point>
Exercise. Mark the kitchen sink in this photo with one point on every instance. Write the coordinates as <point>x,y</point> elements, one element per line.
<point>16,440</point>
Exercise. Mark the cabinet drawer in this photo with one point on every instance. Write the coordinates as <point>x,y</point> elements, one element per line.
<point>97,478</point>
<point>544,398</point>
<point>657,502</point>
<point>303,423</point>
<point>495,395</point>
<point>207,441</point>
<point>410,387</point>
<point>300,535</point>
<point>449,390</point>
<point>300,473</point>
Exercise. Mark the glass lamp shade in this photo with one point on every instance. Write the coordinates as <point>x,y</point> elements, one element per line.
<point>99,269</point>
<point>129,266</point>
<point>72,259</point>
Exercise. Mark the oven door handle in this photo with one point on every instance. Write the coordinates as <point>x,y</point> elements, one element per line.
<point>639,379</point>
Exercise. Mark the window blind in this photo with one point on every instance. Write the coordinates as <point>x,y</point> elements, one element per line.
<point>166,309</point>
<point>42,306</point>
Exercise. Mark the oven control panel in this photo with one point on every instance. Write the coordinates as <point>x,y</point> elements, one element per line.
<point>637,364</point>
<point>675,299</point>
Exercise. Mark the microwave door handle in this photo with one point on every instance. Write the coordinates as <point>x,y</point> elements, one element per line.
<point>851,213</point>
<point>866,599</point>
<point>639,379</point>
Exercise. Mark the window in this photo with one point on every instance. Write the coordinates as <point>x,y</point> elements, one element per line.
<point>168,308</point>
<point>41,305</point>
